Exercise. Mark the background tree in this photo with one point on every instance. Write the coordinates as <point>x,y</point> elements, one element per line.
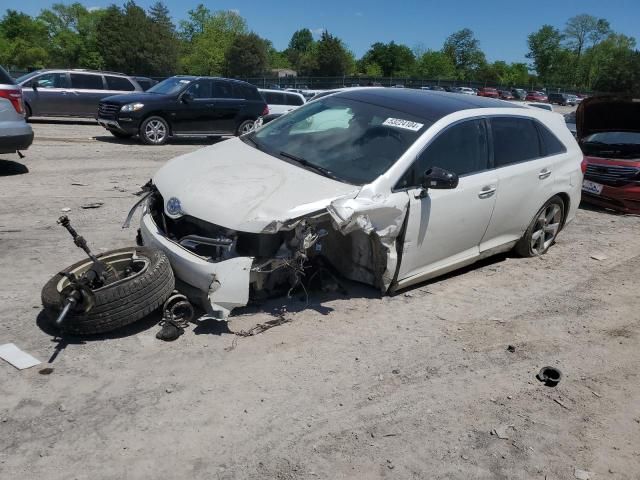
<point>544,50</point>
<point>164,56</point>
<point>464,51</point>
<point>300,46</point>
<point>247,56</point>
<point>435,65</point>
<point>205,53</point>
<point>393,59</point>
<point>23,41</point>
<point>331,57</point>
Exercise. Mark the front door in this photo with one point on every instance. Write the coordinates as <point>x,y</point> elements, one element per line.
<point>445,227</point>
<point>49,97</point>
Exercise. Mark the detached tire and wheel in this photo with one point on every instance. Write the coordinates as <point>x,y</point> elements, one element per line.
<point>245,127</point>
<point>154,131</point>
<point>543,230</point>
<point>119,303</point>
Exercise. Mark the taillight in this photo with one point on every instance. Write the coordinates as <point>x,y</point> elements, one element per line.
<point>265,111</point>
<point>583,165</point>
<point>15,97</point>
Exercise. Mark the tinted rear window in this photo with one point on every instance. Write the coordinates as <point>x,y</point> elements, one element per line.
<point>550,143</point>
<point>119,83</point>
<point>222,90</point>
<point>514,140</point>
<point>294,100</point>
<point>87,82</point>
<point>5,77</point>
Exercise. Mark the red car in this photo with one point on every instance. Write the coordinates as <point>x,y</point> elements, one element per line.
<point>488,92</point>
<point>536,97</point>
<point>608,131</point>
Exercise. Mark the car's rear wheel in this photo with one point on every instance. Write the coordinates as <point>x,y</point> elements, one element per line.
<point>27,111</point>
<point>154,131</point>
<point>543,230</point>
<point>118,134</point>
<point>245,127</point>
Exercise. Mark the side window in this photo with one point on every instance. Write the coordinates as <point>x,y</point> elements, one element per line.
<point>293,100</point>
<point>222,90</point>
<point>461,148</point>
<point>200,89</point>
<point>550,143</point>
<point>119,83</point>
<point>87,82</point>
<point>144,84</point>
<point>244,91</point>
<point>52,80</point>
<point>514,140</point>
<point>270,97</point>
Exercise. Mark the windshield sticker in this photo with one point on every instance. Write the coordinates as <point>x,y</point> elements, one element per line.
<point>404,124</point>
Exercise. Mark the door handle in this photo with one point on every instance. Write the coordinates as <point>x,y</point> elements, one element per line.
<point>487,191</point>
<point>544,173</point>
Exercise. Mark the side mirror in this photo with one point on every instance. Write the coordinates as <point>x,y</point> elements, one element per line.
<point>439,179</point>
<point>35,85</point>
<point>187,97</point>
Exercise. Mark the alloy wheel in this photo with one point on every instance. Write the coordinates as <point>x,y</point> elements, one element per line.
<point>155,131</point>
<point>546,228</point>
<point>246,128</point>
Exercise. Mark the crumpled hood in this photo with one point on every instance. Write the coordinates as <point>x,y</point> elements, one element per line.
<point>236,186</point>
<point>607,114</point>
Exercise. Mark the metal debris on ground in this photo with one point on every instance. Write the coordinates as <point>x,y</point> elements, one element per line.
<point>259,328</point>
<point>502,431</point>
<point>561,404</point>
<point>550,376</point>
<point>598,256</point>
<point>177,312</point>
<point>16,357</point>
<point>78,184</point>
<point>581,474</point>
<point>92,205</point>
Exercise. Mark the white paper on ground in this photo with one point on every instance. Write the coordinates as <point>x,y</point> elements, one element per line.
<point>17,357</point>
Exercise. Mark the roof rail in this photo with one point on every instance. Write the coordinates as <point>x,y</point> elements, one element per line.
<point>95,71</point>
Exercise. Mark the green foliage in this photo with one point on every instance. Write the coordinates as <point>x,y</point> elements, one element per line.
<point>247,56</point>
<point>394,60</point>
<point>435,65</point>
<point>332,58</point>
<point>585,54</point>
<point>464,51</point>
<point>211,36</point>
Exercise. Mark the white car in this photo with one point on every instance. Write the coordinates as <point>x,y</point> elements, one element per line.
<point>281,101</point>
<point>391,187</point>
<point>15,133</point>
<point>464,90</point>
<point>543,106</point>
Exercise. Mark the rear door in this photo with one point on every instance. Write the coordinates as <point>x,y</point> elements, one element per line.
<point>228,103</point>
<point>526,156</point>
<point>87,89</point>
<point>50,95</point>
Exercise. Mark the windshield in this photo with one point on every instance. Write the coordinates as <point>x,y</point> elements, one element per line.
<point>170,86</point>
<point>351,141</point>
<point>614,138</point>
<point>26,76</point>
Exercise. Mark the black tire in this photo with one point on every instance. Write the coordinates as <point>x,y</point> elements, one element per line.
<point>242,128</point>
<point>27,111</point>
<point>118,134</point>
<point>120,303</point>
<point>147,127</point>
<point>524,247</point>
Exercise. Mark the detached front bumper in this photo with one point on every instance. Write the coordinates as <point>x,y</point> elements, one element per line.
<point>217,287</point>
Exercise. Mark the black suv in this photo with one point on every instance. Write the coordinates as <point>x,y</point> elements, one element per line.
<point>183,106</point>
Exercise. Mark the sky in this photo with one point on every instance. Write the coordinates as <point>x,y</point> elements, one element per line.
<point>501,26</point>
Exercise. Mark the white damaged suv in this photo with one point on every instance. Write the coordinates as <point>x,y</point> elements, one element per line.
<point>389,186</point>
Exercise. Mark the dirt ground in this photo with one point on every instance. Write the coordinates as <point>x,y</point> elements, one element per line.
<point>353,387</point>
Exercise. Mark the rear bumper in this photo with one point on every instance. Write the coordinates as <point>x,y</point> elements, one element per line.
<point>12,143</point>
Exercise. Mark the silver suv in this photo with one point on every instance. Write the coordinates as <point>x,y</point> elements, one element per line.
<point>15,132</point>
<point>72,93</point>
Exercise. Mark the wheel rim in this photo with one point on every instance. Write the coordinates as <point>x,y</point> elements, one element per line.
<point>119,261</point>
<point>247,127</point>
<point>155,131</point>
<point>546,228</point>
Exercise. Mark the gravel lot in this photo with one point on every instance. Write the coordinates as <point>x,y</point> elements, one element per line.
<point>354,387</point>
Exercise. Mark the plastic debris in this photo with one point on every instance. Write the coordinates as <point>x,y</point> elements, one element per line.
<point>16,357</point>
